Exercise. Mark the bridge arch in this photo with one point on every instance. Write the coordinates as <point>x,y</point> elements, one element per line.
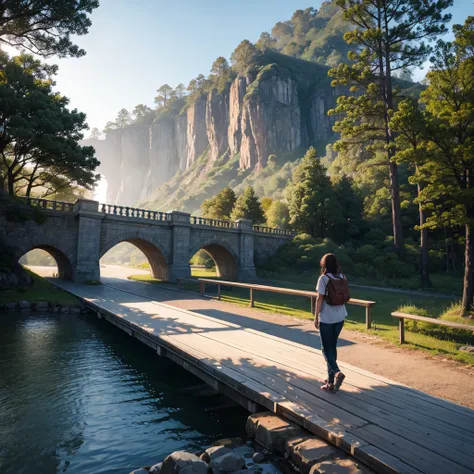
<point>63,257</point>
<point>153,250</point>
<point>224,256</point>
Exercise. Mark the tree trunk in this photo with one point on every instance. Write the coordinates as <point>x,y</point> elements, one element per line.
<point>396,210</point>
<point>468,288</point>
<point>446,249</point>
<point>424,261</point>
<point>10,183</point>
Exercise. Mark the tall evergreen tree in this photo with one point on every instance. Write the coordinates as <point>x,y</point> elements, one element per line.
<point>39,135</point>
<point>409,125</point>
<point>312,203</point>
<point>389,36</point>
<point>123,118</point>
<point>44,27</point>
<point>449,172</point>
<point>248,206</point>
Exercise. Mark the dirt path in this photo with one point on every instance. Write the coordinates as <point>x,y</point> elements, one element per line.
<point>434,375</point>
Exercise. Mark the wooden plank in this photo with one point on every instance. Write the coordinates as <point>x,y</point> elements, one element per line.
<point>414,455</point>
<point>383,462</point>
<point>440,322</point>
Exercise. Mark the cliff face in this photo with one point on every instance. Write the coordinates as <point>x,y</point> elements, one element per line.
<point>280,110</point>
<point>196,131</point>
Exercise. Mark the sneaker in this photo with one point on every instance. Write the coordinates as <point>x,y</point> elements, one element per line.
<point>339,379</point>
<point>327,387</point>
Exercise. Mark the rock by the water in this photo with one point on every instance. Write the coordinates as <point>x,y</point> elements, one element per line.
<point>11,306</point>
<point>24,305</point>
<point>228,462</point>
<point>64,310</point>
<point>246,451</point>
<point>258,457</point>
<point>156,468</point>
<point>468,349</point>
<point>229,442</point>
<point>75,310</point>
<point>183,463</point>
<point>142,470</point>
<point>41,306</point>
<point>214,452</point>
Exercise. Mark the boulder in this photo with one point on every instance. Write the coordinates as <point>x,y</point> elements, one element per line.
<point>228,463</point>
<point>214,452</point>
<point>230,442</point>
<point>41,306</point>
<point>258,457</point>
<point>142,470</point>
<point>468,349</point>
<point>246,451</point>
<point>156,468</point>
<point>64,310</point>
<point>24,305</point>
<point>11,306</point>
<point>75,310</point>
<point>183,463</point>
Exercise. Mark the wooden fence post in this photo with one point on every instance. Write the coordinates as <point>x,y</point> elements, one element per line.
<point>218,291</point>
<point>313,309</point>
<point>402,330</point>
<point>179,284</point>
<point>251,298</point>
<point>202,288</point>
<point>368,322</point>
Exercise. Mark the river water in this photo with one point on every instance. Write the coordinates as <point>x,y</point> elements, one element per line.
<point>78,395</point>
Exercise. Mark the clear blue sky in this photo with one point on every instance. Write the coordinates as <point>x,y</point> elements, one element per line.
<point>134,47</point>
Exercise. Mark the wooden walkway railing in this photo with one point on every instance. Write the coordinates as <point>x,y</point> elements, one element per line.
<point>253,287</point>
<point>402,316</point>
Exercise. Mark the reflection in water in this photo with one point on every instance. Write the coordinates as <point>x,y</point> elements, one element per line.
<point>79,396</point>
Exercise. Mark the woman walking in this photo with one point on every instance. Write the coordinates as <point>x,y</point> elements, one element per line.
<point>333,293</point>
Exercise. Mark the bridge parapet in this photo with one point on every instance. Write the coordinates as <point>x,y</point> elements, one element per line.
<point>123,211</point>
<point>273,230</point>
<point>48,204</point>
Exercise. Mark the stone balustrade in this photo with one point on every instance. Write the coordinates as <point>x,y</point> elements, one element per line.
<point>124,211</point>
<point>134,212</point>
<point>48,204</point>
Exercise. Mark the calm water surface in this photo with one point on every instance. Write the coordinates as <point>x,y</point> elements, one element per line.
<point>79,396</point>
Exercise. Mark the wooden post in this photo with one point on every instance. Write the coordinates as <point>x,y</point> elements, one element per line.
<point>313,309</point>
<point>368,322</point>
<point>202,288</point>
<point>402,330</point>
<point>218,291</point>
<point>179,284</point>
<point>251,298</point>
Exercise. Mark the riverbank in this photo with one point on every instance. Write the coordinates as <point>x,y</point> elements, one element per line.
<point>39,295</point>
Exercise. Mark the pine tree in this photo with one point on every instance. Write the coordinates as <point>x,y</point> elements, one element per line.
<point>409,124</point>
<point>389,36</point>
<point>248,207</point>
<point>312,203</point>
<point>449,171</point>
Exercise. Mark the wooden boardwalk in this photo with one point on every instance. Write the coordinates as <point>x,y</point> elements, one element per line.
<point>388,426</point>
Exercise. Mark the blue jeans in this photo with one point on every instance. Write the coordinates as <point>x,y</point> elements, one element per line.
<point>329,334</point>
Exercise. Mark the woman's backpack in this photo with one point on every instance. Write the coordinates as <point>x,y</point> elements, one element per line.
<point>337,291</point>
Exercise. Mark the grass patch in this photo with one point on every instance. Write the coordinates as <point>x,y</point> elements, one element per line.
<point>40,290</point>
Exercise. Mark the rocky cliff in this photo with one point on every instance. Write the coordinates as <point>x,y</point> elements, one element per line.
<point>278,109</point>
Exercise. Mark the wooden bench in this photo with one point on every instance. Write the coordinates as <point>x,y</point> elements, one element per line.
<point>402,316</point>
<point>253,287</point>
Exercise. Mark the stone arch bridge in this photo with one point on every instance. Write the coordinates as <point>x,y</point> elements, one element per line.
<point>78,235</point>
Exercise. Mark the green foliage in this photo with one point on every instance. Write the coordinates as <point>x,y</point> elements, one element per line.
<point>452,314</point>
<point>312,202</point>
<point>44,27</point>
<point>278,215</point>
<point>39,134</point>
<point>203,258</point>
<point>219,206</point>
<point>311,35</point>
<point>248,206</point>
<point>304,253</point>
<point>243,56</point>
<point>123,118</point>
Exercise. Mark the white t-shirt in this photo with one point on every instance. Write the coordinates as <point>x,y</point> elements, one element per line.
<point>330,314</point>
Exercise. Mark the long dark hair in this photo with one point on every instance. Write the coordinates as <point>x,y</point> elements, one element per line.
<point>329,264</point>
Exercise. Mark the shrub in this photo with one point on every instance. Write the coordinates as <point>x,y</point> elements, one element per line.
<point>365,254</point>
<point>439,332</point>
